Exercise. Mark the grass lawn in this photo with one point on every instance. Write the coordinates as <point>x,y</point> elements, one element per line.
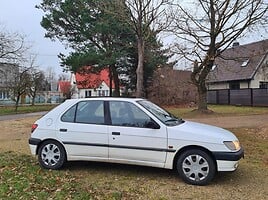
<point>22,178</point>
<point>5,110</point>
<point>218,110</point>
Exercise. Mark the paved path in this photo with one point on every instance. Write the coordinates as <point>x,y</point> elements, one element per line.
<point>19,116</point>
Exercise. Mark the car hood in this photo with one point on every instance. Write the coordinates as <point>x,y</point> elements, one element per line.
<point>193,131</point>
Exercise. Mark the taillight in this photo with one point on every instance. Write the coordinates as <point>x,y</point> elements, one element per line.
<point>34,126</point>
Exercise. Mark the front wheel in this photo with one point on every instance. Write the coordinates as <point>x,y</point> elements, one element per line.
<point>196,167</point>
<point>51,155</point>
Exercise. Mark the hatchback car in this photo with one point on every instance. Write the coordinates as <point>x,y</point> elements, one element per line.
<point>132,131</point>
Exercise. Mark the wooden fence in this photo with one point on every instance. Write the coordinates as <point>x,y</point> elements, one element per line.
<point>245,97</point>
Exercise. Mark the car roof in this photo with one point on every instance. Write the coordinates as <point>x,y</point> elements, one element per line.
<point>106,99</point>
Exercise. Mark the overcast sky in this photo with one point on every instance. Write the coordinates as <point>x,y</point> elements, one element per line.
<point>22,16</point>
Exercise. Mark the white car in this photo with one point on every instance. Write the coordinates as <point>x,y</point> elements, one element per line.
<point>132,131</point>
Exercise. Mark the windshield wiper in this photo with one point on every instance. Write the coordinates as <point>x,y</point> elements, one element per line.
<point>174,120</point>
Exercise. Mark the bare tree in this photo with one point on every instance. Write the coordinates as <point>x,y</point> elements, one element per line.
<point>172,87</point>
<point>19,84</point>
<point>12,47</point>
<point>37,83</point>
<point>146,17</point>
<point>64,77</point>
<point>208,27</point>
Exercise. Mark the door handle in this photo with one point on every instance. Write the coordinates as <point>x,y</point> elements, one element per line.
<point>115,133</point>
<point>63,130</point>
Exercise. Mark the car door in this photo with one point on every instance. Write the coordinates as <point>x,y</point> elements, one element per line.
<point>83,131</point>
<point>130,138</point>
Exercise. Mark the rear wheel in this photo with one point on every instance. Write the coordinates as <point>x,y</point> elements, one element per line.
<point>196,167</point>
<point>51,155</point>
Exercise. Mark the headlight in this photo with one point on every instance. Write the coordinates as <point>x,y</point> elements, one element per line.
<point>232,145</point>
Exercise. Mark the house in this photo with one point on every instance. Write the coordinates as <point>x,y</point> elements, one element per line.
<point>240,67</point>
<point>7,75</point>
<point>64,89</point>
<point>240,76</point>
<point>87,84</point>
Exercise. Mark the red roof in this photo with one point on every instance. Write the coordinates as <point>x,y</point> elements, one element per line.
<point>86,79</point>
<point>63,86</point>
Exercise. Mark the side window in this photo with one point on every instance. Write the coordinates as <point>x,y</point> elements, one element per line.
<point>128,114</point>
<point>69,115</point>
<point>90,112</point>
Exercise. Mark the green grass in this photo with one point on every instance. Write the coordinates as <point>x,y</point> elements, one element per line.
<point>6,110</point>
<point>218,110</point>
<point>22,178</point>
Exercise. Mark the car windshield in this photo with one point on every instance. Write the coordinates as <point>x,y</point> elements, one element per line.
<point>164,116</point>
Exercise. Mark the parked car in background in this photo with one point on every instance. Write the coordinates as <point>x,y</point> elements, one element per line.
<point>133,131</point>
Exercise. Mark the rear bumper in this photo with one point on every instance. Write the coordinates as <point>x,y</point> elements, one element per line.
<point>33,143</point>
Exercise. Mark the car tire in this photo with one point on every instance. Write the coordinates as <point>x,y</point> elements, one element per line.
<point>51,155</point>
<point>196,167</point>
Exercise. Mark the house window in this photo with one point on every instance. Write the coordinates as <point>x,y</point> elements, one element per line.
<point>103,93</point>
<point>245,63</point>
<point>263,85</point>
<point>234,85</point>
<point>87,93</point>
<point>107,93</point>
<point>4,95</point>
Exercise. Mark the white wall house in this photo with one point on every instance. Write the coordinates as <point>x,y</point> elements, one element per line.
<point>91,84</point>
<point>8,73</point>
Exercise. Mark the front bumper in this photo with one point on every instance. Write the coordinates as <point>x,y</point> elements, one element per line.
<point>229,156</point>
<point>228,161</point>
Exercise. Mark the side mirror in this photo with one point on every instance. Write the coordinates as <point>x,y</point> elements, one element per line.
<point>153,125</point>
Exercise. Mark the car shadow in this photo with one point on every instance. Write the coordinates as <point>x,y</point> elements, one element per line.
<point>110,169</point>
<point>119,169</point>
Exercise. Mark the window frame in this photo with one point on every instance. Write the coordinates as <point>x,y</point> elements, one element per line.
<point>263,85</point>
<point>131,103</point>
<point>234,85</point>
<point>75,114</point>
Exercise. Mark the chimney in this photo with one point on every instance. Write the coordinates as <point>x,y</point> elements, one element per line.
<point>235,44</point>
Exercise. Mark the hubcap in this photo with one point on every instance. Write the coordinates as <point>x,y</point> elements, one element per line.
<point>50,154</point>
<point>195,167</point>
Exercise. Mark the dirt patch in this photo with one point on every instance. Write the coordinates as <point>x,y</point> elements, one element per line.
<point>14,135</point>
<point>113,181</point>
<point>235,121</point>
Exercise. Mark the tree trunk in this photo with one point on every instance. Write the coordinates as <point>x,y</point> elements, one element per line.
<point>139,70</point>
<point>17,103</point>
<point>110,82</point>
<point>33,98</point>
<point>116,82</point>
<point>198,77</point>
<point>202,97</point>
